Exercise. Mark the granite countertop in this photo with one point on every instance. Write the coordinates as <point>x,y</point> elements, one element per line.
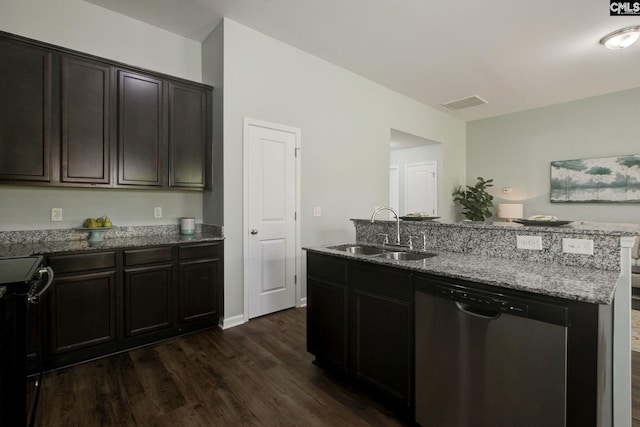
<point>55,246</point>
<point>575,283</point>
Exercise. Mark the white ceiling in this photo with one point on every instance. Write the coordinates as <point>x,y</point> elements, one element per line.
<point>514,54</point>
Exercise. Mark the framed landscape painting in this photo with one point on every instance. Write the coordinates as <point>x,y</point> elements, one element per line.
<point>599,180</point>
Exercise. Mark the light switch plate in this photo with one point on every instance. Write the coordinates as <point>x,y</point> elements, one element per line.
<point>157,212</point>
<point>577,246</point>
<point>532,243</point>
<point>317,211</point>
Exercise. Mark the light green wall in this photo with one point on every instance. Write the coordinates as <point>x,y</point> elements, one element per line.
<point>345,122</point>
<point>516,150</point>
<point>78,25</point>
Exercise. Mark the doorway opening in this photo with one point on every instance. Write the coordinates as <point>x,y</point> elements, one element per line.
<point>413,173</point>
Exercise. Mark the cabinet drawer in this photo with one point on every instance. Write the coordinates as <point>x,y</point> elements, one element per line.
<point>390,282</point>
<point>147,256</point>
<point>326,267</point>
<point>64,264</point>
<point>200,251</point>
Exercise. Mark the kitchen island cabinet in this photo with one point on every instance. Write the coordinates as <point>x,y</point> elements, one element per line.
<point>361,326</point>
<point>380,331</point>
<point>382,343</point>
<point>328,311</point>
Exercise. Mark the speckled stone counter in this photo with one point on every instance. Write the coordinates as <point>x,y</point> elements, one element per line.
<point>500,241</point>
<point>575,283</point>
<point>24,243</point>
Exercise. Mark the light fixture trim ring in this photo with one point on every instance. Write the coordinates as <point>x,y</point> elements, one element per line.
<point>621,31</point>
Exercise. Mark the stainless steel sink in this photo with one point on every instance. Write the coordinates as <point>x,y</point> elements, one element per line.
<point>357,249</point>
<point>405,256</point>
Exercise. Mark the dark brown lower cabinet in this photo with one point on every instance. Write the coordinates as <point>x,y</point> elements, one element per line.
<point>148,290</point>
<point>328,311</point>
<point>360,322</point>
<point>83,311</point>
<point>200,294</point>
<point>148,293</point>
<point>382,350</point>
<point>103,302</point>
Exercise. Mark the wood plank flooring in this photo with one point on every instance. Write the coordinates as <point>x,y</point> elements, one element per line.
<point>256,374</point>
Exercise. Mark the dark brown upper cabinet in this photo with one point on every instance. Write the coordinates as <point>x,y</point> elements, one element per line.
<point>141,140</point>
<point>189,136</point>
<point>25,112</point>
<point>76,120</point>
<point>86,121</point>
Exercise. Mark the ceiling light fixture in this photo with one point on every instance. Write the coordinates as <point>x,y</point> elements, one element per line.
<point>621,38</point>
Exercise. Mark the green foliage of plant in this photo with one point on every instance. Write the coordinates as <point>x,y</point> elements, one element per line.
<point>475,200</point>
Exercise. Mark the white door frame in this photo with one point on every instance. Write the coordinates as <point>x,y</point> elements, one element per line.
<point>245,203</point>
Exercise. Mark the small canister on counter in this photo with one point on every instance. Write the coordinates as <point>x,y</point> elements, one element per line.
<point>187,225</point>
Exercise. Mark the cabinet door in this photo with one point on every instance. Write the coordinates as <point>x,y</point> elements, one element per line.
<point>25,113</point>
<point>189,136</point>
<point>327,323</point>
<point>147,299</point>
<point>199,291</point>
<point>327,310</point>
<point>86,127</point>
<point>141,130</point>
<point>83,311</point>
<point>382,352</point>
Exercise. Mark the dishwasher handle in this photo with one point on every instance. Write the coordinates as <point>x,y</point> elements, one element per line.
<point>477,311</point>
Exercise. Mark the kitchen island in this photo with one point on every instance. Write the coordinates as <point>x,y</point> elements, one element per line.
<point>372,302</point>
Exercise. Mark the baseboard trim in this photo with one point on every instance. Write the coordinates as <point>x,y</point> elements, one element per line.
<point>230,322</point>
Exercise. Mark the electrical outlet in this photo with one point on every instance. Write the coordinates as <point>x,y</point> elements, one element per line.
<point>577,246</point>
<point>157,212</point>
<point>56,214</point>
<point>317,211</point>
<point>507,190</point>
<point>533,243</point>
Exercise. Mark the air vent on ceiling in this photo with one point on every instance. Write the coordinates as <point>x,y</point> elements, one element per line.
<point>470,101</point>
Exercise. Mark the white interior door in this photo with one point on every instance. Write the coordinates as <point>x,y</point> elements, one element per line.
<point>421,188</point>
<point>394,189</point>
<point>270,217</point>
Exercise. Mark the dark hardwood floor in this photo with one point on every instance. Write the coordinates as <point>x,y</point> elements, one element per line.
<point>256,374</point>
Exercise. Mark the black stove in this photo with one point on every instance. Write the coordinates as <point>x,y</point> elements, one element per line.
<point>23,281</point>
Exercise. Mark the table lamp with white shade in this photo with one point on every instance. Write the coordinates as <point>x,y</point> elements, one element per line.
<point>509,211</point>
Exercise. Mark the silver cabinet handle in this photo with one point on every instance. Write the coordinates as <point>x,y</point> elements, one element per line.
<point>253,231</point>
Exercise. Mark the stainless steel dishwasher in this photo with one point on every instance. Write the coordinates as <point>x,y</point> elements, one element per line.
<point>488,359</point>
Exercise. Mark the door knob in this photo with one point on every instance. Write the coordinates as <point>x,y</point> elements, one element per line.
<point>253,231</point>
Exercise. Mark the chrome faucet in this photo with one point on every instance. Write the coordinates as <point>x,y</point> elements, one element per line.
<point>387,208</point>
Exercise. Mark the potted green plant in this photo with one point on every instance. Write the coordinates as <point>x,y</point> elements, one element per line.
<point>475,200</point>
